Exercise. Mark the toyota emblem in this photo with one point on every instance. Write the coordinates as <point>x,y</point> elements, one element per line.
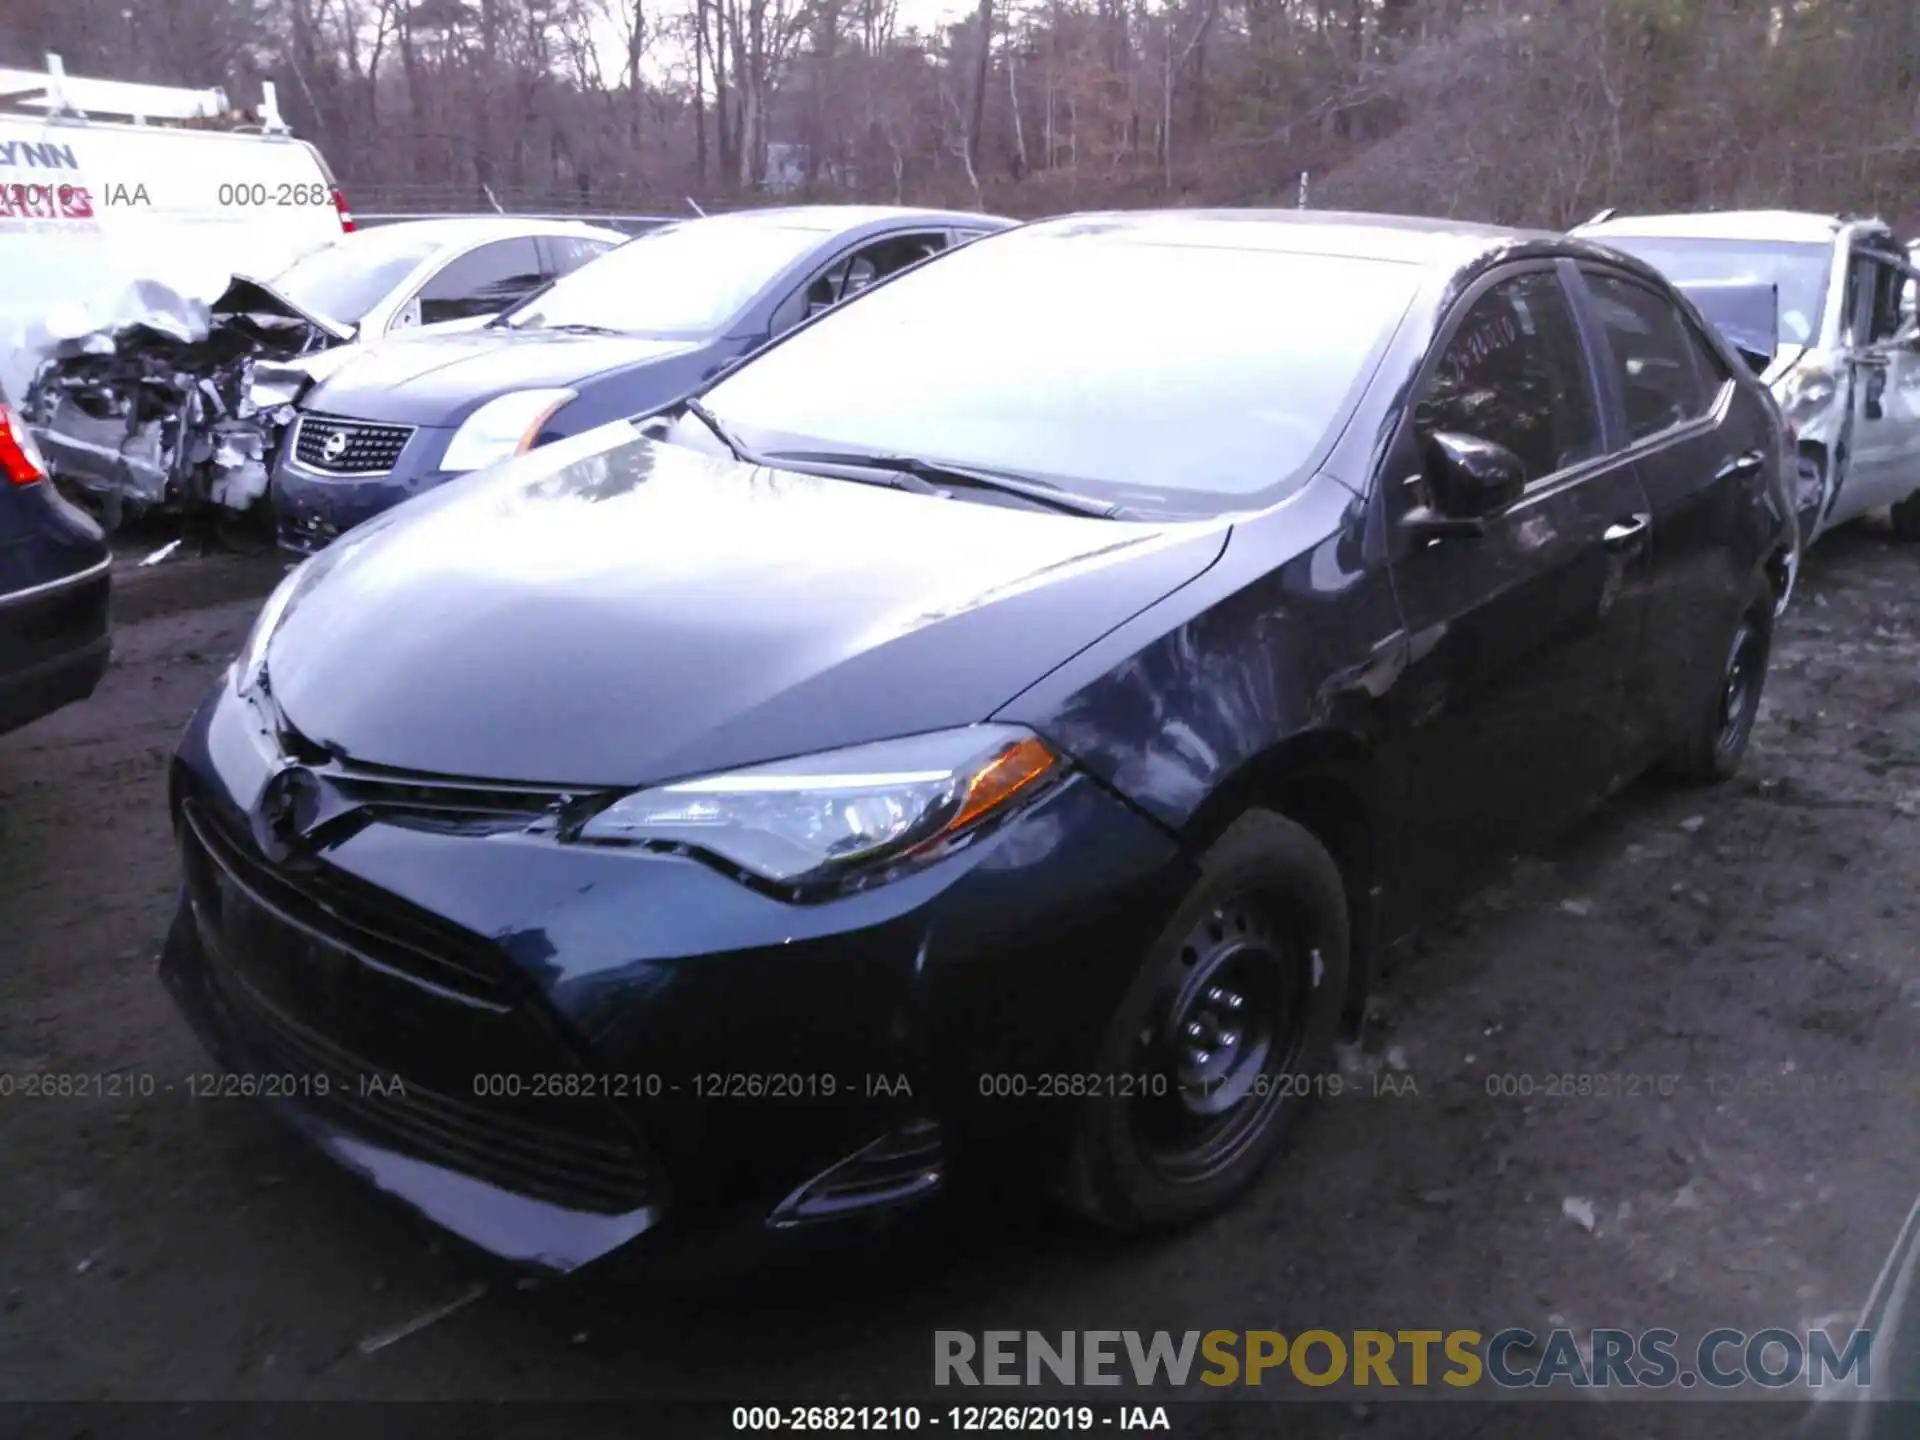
<point>334,447</point>
<point>288,806</point>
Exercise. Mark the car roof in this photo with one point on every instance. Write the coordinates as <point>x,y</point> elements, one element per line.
<point>1782,226</point>
<point>1409,239</point>
<point>455,229</point>
<point>828,218</point>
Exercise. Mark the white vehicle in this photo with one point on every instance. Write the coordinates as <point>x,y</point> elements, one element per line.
<point>201,426</point>
<point>103,184</point>
<point>436,275</point>
<point>1846,370</point>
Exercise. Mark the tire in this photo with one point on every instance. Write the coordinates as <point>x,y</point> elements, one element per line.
<point>1906,518</point>
<point>1261,937</point>
<point>1717,741</point>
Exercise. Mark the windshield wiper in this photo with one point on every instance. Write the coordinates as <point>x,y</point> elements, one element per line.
<point>892,480</point>
<point>576,327</point>
<point>720,432</point>
<point>936,475</point>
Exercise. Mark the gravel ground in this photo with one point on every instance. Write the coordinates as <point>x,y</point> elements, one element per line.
<point>1752,949</point>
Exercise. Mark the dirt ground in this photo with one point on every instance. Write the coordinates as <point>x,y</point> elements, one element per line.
<point>1756,943</point>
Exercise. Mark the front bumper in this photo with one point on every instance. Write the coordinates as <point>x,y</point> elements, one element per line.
<point>312,510</point>
<point>553,1050</point>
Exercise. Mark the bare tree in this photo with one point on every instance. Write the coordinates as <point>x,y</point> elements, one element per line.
<point>1522,110</point>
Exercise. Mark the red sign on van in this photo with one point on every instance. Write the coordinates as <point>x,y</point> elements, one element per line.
<point>46,202</point>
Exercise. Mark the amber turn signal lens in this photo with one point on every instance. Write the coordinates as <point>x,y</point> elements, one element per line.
<point>1020,766</point>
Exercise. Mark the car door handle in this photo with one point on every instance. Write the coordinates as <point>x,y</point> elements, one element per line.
<point>1741,466</point>
<point>1623,533</point>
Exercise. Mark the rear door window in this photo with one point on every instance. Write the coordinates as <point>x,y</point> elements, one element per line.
<point>484,281</point>
<point>1514,372</point>
<point>1654,356</point>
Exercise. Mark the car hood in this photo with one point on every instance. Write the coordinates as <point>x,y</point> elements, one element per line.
<point>258,302</point>
<point>613,611</point>
<point>439,379</point>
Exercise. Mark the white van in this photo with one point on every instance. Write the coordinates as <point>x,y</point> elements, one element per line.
<point>104,184</point>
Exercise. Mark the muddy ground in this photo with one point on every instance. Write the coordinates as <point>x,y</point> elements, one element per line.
<point>1758,943</point>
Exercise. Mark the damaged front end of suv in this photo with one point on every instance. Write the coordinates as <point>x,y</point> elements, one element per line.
<point>181,408</point>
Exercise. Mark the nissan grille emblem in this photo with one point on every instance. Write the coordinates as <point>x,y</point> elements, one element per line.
<point>289,804</point>
<point>334,447</point>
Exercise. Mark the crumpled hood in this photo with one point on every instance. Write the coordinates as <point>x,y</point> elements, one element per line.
<point>612,611</point>
<point>441,379</point>
<point>257,300</point>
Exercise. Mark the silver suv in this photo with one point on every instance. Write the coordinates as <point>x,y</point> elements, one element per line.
<point>1846,362</point>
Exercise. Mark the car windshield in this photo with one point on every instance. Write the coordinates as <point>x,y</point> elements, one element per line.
<point>1798,271</point>
<point>349,277</point>
<point>1161,375</point>
<point>689,279</point>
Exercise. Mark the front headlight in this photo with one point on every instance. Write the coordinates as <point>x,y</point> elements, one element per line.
<point>503,428</point>
<point>869,807</point>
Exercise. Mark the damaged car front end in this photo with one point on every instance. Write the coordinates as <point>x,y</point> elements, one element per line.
<point>1846,350</point>
<point>182,408</point>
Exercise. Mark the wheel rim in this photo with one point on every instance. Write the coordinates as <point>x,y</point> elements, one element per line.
<point>1740,686</point>
<point>1230,1017</point>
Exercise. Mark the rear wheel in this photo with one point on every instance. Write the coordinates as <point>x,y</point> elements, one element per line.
<point>1718,741</point>
<point>1223,1037</point>
<point>1906,518</point>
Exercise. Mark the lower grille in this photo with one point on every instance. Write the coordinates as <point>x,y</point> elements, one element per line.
<point>575,1171</point>
<point>338,446</point>
<point>324,985</point>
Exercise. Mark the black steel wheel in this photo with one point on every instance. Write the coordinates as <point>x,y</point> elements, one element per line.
<point>1224,1035</point>
<point>1713,750</point>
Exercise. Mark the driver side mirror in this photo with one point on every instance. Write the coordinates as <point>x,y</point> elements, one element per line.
<point>1470,480</point>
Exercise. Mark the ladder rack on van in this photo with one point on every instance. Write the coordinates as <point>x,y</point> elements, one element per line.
<point>55,93</point>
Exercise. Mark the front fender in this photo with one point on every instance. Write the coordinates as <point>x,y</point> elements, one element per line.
<point>1290,633</point>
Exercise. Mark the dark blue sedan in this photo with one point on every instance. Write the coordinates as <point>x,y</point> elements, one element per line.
<point>997,729</point>
<point>54,581</point>
<point>623,335</point>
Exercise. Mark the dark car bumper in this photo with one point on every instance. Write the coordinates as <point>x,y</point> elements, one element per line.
<point>553,1050</point>
<point>55,584</point>
<point>312,509</point>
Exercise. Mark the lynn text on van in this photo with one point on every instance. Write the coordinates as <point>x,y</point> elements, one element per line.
<point>38,155</point>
